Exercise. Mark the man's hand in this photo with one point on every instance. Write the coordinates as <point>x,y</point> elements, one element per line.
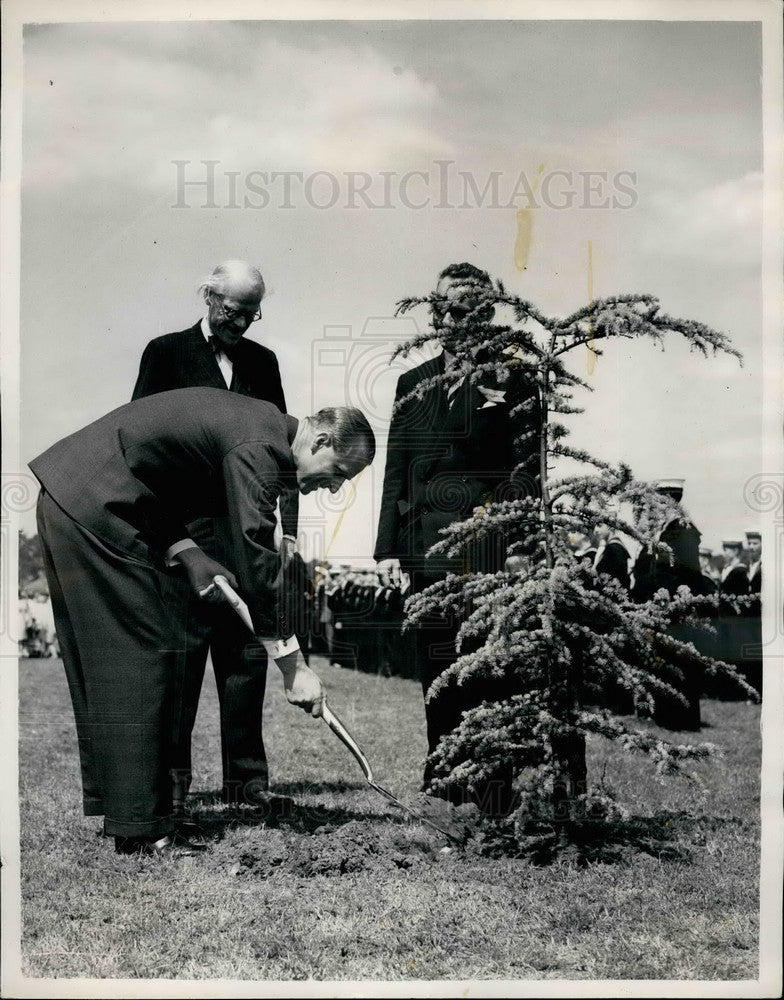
<point>201,571</point>
<point>389,572</point>
<point>514,564</point>
<point>303,687</point>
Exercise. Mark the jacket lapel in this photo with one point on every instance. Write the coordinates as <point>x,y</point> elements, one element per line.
<point>200,358</point>
<point>459,413</point>
<point>239,381</point>
<point>433,402</point>
<point>435,405</point>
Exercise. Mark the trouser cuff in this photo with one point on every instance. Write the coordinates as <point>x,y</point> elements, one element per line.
<point>154,829</point>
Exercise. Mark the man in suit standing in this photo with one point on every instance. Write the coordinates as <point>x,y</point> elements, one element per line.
<point>215,353</point>
<point>449,450</point>
<point>115,502</point>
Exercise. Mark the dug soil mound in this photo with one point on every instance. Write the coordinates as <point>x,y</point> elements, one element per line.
<point>356,846</point>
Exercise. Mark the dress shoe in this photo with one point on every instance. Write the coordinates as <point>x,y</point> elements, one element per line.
<point>172,845</point>
<point>246,792</point>
<point>190,830</point>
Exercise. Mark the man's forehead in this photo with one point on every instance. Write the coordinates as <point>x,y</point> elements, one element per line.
<point>241,291</point>
<point>458,289</point>
<point>453,287</point>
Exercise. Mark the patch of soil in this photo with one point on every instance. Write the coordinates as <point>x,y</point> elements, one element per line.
<point>356,846</point>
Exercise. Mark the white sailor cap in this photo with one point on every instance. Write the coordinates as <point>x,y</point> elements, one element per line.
<point>668,484</point>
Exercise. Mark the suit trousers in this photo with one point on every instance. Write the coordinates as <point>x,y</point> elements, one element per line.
<point>240,668</point>
<point>120,664</point>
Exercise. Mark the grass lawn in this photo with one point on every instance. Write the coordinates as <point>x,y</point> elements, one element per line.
<point>346,888</point>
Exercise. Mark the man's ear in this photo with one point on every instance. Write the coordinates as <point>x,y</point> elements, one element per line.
<point>322,440</point>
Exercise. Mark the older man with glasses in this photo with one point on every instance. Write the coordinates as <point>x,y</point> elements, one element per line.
<point>215,353</point>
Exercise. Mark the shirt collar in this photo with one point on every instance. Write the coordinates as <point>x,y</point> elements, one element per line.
<point>205,328</point>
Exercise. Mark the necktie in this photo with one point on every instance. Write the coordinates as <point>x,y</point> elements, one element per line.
<point>452,391</point>
<point>217,346</point>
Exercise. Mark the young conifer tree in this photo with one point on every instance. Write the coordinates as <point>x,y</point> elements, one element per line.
<point>562,634</point>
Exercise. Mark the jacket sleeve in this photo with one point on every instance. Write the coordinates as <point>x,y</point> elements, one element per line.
<point>251,480</point>
<point>289,510</point>
<point>153,373</point>
<point>394,497</point>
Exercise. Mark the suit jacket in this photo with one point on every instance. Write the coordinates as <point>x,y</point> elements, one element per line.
<point>444,461</point>
<point>184,359</point>
<point>137,476</point>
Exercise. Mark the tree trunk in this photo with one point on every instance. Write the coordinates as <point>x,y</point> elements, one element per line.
<point>570,779</point>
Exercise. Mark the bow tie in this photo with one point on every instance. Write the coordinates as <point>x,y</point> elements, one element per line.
<point>216,346</point>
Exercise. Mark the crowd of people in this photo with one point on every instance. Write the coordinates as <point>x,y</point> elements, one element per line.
<point>356,622</point>
<point>733,577</point>
<point>350,617</point>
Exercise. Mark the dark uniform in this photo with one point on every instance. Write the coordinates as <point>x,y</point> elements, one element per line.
<point>670,570</point>
<point>751,665</point>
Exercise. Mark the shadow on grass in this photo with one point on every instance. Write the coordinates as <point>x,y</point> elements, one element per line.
<point>282,811</point>
<point>336,787</point>
<point>666,836</point>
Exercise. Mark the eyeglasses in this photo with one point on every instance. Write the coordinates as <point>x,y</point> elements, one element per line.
<point>457,312</point>
<point>231,314</point>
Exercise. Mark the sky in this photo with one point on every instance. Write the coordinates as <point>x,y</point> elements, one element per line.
<point>667,116</point>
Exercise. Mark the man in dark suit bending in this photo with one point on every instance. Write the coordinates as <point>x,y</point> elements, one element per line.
<point>115,503</point>
<point>216,353</point>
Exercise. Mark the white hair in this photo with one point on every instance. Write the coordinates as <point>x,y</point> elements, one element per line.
<point>239,271</point>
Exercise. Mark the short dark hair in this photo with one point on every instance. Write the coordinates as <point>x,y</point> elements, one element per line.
<point>349,427</point>
<point>466,270</point>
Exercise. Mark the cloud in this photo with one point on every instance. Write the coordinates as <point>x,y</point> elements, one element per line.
<point>101,109</point>
<point>718,224</point>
